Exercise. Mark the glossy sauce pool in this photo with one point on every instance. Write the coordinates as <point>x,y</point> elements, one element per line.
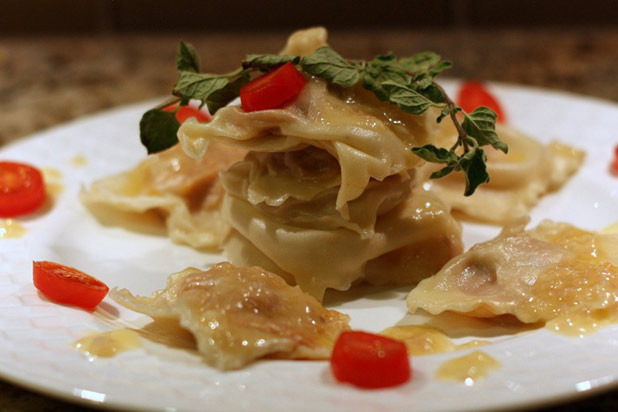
<point>108,344</point>
<point>11,229</point>
<point>467,369</point>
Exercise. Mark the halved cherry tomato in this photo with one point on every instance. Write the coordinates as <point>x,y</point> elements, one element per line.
<point>22,189</point>
<point>614,165</point>
<point>171,107</point>
<point>64,284</point>
<point>473,94</point>
<point>370,361</point>
<point>272,90</point>
<point>186,112</point>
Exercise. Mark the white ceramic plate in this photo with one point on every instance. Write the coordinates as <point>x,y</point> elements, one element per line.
<point>36,335</point>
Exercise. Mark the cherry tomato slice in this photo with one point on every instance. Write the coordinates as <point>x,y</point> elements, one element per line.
<point>22,189</point>
<point>614,167</point>
<point>473,94</point>
<point>186,112</point>
<point>272,90</point>
<point>171,107</point>
<point>370,361</point>
<point>64,284</point>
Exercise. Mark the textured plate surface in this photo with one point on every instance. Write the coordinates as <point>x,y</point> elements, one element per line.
<point>36,335</point>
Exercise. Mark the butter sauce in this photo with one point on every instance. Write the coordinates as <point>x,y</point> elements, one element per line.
<point>467,369</point>
<point>580,294</point>
<point>78,160</point>
<point>53,179</point>
<point>108,344</point>
<point>11,229</point>
<point>613,228</point>
<point>426,340</point>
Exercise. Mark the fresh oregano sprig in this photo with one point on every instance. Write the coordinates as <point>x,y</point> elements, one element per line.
<point>406,82</point>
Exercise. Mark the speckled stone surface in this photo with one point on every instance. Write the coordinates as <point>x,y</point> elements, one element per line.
<point>48,81</point>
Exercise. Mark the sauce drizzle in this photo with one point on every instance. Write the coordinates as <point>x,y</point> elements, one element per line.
<point>425,340</point>
<point>11,229</point>
<point>468,369</point>
<point>108,344</point>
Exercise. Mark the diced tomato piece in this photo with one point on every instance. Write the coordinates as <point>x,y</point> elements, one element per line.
<point>22,189</point>
<point>186,112</point>
<point>473,94</point>
<point>171,107</point>
<point>272,90</point>
<point>370,361</point>
<point>613,166</point>
<point>64,284</point>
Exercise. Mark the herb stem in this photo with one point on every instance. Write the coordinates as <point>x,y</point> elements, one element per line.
<point>461,138</point>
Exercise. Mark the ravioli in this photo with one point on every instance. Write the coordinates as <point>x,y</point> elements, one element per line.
<point>518,179</point>
<point>325,197</point>
<point>369,139</point>
<point>238,315</point>
<point>552,272</point>
<point>185,191</point>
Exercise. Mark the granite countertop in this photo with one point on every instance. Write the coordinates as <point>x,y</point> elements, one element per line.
<point>45,81</point>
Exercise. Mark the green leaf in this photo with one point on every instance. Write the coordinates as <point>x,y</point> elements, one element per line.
<point>381,69</point>
<point>267,61</point>
<point>420,61</point>
<point>186,58</point>
<point>422,81</point>
<point>158,130</point>
<point>435,155</point>
<point>433,93</point>
<point>474,168</point>
<point>442,172</point>
<point>221,97</point>
<point>481,125</point>
<point>446,111</point>
<point>199,85</point>
<point>330,66</point>
<point>406,98</point>
<point>439,68</point>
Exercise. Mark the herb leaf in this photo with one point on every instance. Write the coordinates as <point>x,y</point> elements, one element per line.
<point>435,155</point>
<point>481,124</point>
<point>420,62</point>
<point>330,66</point>
<point>433,93</point>
<point>442,172</point>
<point>440,67</point>
<point>381,69</point>
<point>186,58</point>
<point>223,96</point>
<point>199,85</point>
<point>474,167</point>
<point>158,130</point>
<point>267,61</point>
<point>406,98</point>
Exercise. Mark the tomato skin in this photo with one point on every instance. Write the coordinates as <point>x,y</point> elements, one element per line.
<point>64,284</point>
<point>22,189</point>
<point>273,89</point>
<point>186,112</point>
<point>613,166</point>
<point>171,107</point>
<point>370,361</point>
<point>473,94</point>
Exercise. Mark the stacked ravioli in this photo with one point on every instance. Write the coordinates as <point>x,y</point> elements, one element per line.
<point>324,197</point>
